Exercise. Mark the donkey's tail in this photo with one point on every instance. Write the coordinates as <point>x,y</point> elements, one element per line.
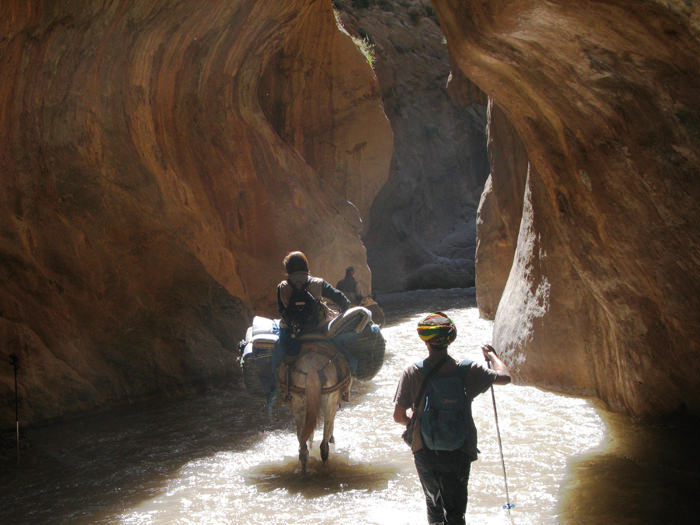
<point>313,403</point>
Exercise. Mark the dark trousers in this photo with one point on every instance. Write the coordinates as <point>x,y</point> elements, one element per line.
<point>444,477</point>
<point>286,346</point>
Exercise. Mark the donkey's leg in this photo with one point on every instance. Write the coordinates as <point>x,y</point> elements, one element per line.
<point>306,411</point>
<point>330,405</point>
<point>298,406</point>
<point>303,456</point>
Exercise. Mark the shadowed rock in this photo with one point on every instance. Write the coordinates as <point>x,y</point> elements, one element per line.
<point>422,230</point>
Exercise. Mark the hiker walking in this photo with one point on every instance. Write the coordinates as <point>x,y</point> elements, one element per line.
<point>348,285</point>
<point>438,392</point>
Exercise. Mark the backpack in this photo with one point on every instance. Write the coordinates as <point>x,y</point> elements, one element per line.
<point>304,310</point>
<point>446,421</point>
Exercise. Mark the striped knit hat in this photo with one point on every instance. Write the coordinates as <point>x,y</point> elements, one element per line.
<point>437,329</point>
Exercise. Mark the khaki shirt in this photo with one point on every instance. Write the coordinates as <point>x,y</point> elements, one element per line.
<point>476,381</point>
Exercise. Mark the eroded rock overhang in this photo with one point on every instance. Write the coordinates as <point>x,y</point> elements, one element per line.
<point>589,247</point>
<point>157,161</point>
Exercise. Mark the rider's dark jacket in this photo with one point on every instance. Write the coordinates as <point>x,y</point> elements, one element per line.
<point>316,287</point>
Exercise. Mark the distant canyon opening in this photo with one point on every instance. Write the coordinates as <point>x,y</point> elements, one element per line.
<point>422,224</point>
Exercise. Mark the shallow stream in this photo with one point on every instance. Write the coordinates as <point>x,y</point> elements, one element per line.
<point>219,458</point>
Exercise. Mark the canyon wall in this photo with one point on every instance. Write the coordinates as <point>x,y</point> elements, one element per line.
<point>422,230</point>
<point>157,160</point>
<point>500,210</point>
<point>600,293</point>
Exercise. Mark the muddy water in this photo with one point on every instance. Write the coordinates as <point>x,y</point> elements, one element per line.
<point>218,458</point>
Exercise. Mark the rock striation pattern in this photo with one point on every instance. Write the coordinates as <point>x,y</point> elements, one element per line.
<point>157,160</point>
<point>601,294</point>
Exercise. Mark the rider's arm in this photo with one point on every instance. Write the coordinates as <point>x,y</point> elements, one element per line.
<point>280,305</point>
<point>335,295</point>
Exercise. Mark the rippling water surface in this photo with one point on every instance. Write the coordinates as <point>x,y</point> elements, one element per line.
<point>218,458</point>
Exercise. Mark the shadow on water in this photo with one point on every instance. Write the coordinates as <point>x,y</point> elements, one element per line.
<point>643,474</point>
<point>338,475</point>
<point>85,469</point>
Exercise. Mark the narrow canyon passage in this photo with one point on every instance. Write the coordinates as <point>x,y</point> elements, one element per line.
<point>161,157</point>
<point>219,458</point>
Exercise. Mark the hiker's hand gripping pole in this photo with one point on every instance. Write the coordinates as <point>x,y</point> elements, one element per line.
<point>493,362</point>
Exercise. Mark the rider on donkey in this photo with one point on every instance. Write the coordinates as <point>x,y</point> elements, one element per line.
<point>300,306</point>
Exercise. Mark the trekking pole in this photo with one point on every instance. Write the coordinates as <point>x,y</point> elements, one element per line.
<point>508,504</point>
<point>14,363</point>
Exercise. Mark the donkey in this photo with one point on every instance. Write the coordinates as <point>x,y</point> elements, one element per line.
<point>313,386</point>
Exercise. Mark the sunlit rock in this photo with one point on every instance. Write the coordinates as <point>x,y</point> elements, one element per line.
<point>606,101</point>
<point>500,209</point>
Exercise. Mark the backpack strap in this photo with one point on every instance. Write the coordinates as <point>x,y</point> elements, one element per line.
<point>464,365</point>
<point>422,366</point>
<point>463,368</point>
<point>280,303</point>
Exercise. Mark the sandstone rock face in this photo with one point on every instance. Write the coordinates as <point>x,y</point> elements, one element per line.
<point>602,297</point>
<point>500,210</point>
<point>157,161</point>
<point>422,230</point>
